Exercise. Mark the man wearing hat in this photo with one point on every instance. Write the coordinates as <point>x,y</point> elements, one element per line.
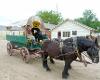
<point>36,31</point>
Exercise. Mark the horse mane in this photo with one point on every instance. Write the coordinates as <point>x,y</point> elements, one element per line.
<point>94,38</point>
<point>81,40</point>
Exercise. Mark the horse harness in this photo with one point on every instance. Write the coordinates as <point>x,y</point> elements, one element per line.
<point>61,44</point>
<point>75,46</point>
<point>77,53</point>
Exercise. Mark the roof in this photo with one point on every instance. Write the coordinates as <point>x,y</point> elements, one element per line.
<point>15,28</point>
<point>19,23</point>
<point>74,22</point>
<point>2,28</point>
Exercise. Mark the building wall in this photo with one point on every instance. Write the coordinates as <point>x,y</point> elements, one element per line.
<point>4,33</point>
<point>69,27</point>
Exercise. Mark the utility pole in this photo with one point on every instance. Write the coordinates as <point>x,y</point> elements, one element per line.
<point>57,7</point>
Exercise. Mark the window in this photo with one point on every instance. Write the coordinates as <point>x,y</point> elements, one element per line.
<point>59,35</point>
<point>66,34</point>
<point>74,32</point>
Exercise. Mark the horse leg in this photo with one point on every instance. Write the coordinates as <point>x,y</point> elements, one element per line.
<point>45,65</point>
<point>70,67</point>
<point>69,64</point>
<point>66,67</point>
<point>51,60</point>
<point>71,60</point>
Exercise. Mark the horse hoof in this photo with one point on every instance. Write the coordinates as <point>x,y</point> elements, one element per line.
<point>52,62</point>
<point>65,76</point>
<point>48,69</point>
<point>44,66</point>
<point>70,68</point>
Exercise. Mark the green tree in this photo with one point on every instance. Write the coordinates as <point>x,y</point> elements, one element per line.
<point>89,19</point>
<point>88,15</point>
<point>52,17</point>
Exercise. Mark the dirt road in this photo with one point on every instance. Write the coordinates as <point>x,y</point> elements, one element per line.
<point>13,68</point>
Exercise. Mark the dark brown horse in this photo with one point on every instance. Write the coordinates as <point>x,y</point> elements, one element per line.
<point>67,52</point>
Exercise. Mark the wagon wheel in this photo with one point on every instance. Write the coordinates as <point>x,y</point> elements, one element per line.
<point>9,48</point>
<point>25,54</point>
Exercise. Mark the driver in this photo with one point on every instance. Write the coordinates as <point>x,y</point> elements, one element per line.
<point>36,30</point>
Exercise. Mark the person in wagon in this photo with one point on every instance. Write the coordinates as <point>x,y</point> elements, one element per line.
<point>28,33</point>
<point>36,32</point>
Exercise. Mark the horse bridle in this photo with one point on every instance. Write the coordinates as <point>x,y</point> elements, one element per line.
<point>77,51</point>
<point>61,44</point>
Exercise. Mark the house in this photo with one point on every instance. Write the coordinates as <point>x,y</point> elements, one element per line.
<point>10,30</point>
<point>70,28</point>
<point>14,30</point>
<point>2,31</point>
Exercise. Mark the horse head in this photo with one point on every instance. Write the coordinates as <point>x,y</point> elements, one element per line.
<point>93,53</point>
<point>91,46</point>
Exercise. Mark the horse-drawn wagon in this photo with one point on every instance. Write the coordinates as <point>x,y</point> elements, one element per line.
<point>29,44</point>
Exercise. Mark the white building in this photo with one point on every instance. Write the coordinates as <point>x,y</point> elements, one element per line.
<point>70,28</point>
<point>14,30</point>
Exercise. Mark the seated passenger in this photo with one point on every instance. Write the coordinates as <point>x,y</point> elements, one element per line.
<point>28,33</point>
<point>36,31</point>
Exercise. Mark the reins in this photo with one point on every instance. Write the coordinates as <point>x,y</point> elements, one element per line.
<point>81,58</point>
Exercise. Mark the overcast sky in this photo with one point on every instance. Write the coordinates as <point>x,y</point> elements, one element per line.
<point>16,10</point>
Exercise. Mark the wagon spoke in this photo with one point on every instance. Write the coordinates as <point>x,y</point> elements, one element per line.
<point>25,54</point>
<point>9,48</point>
